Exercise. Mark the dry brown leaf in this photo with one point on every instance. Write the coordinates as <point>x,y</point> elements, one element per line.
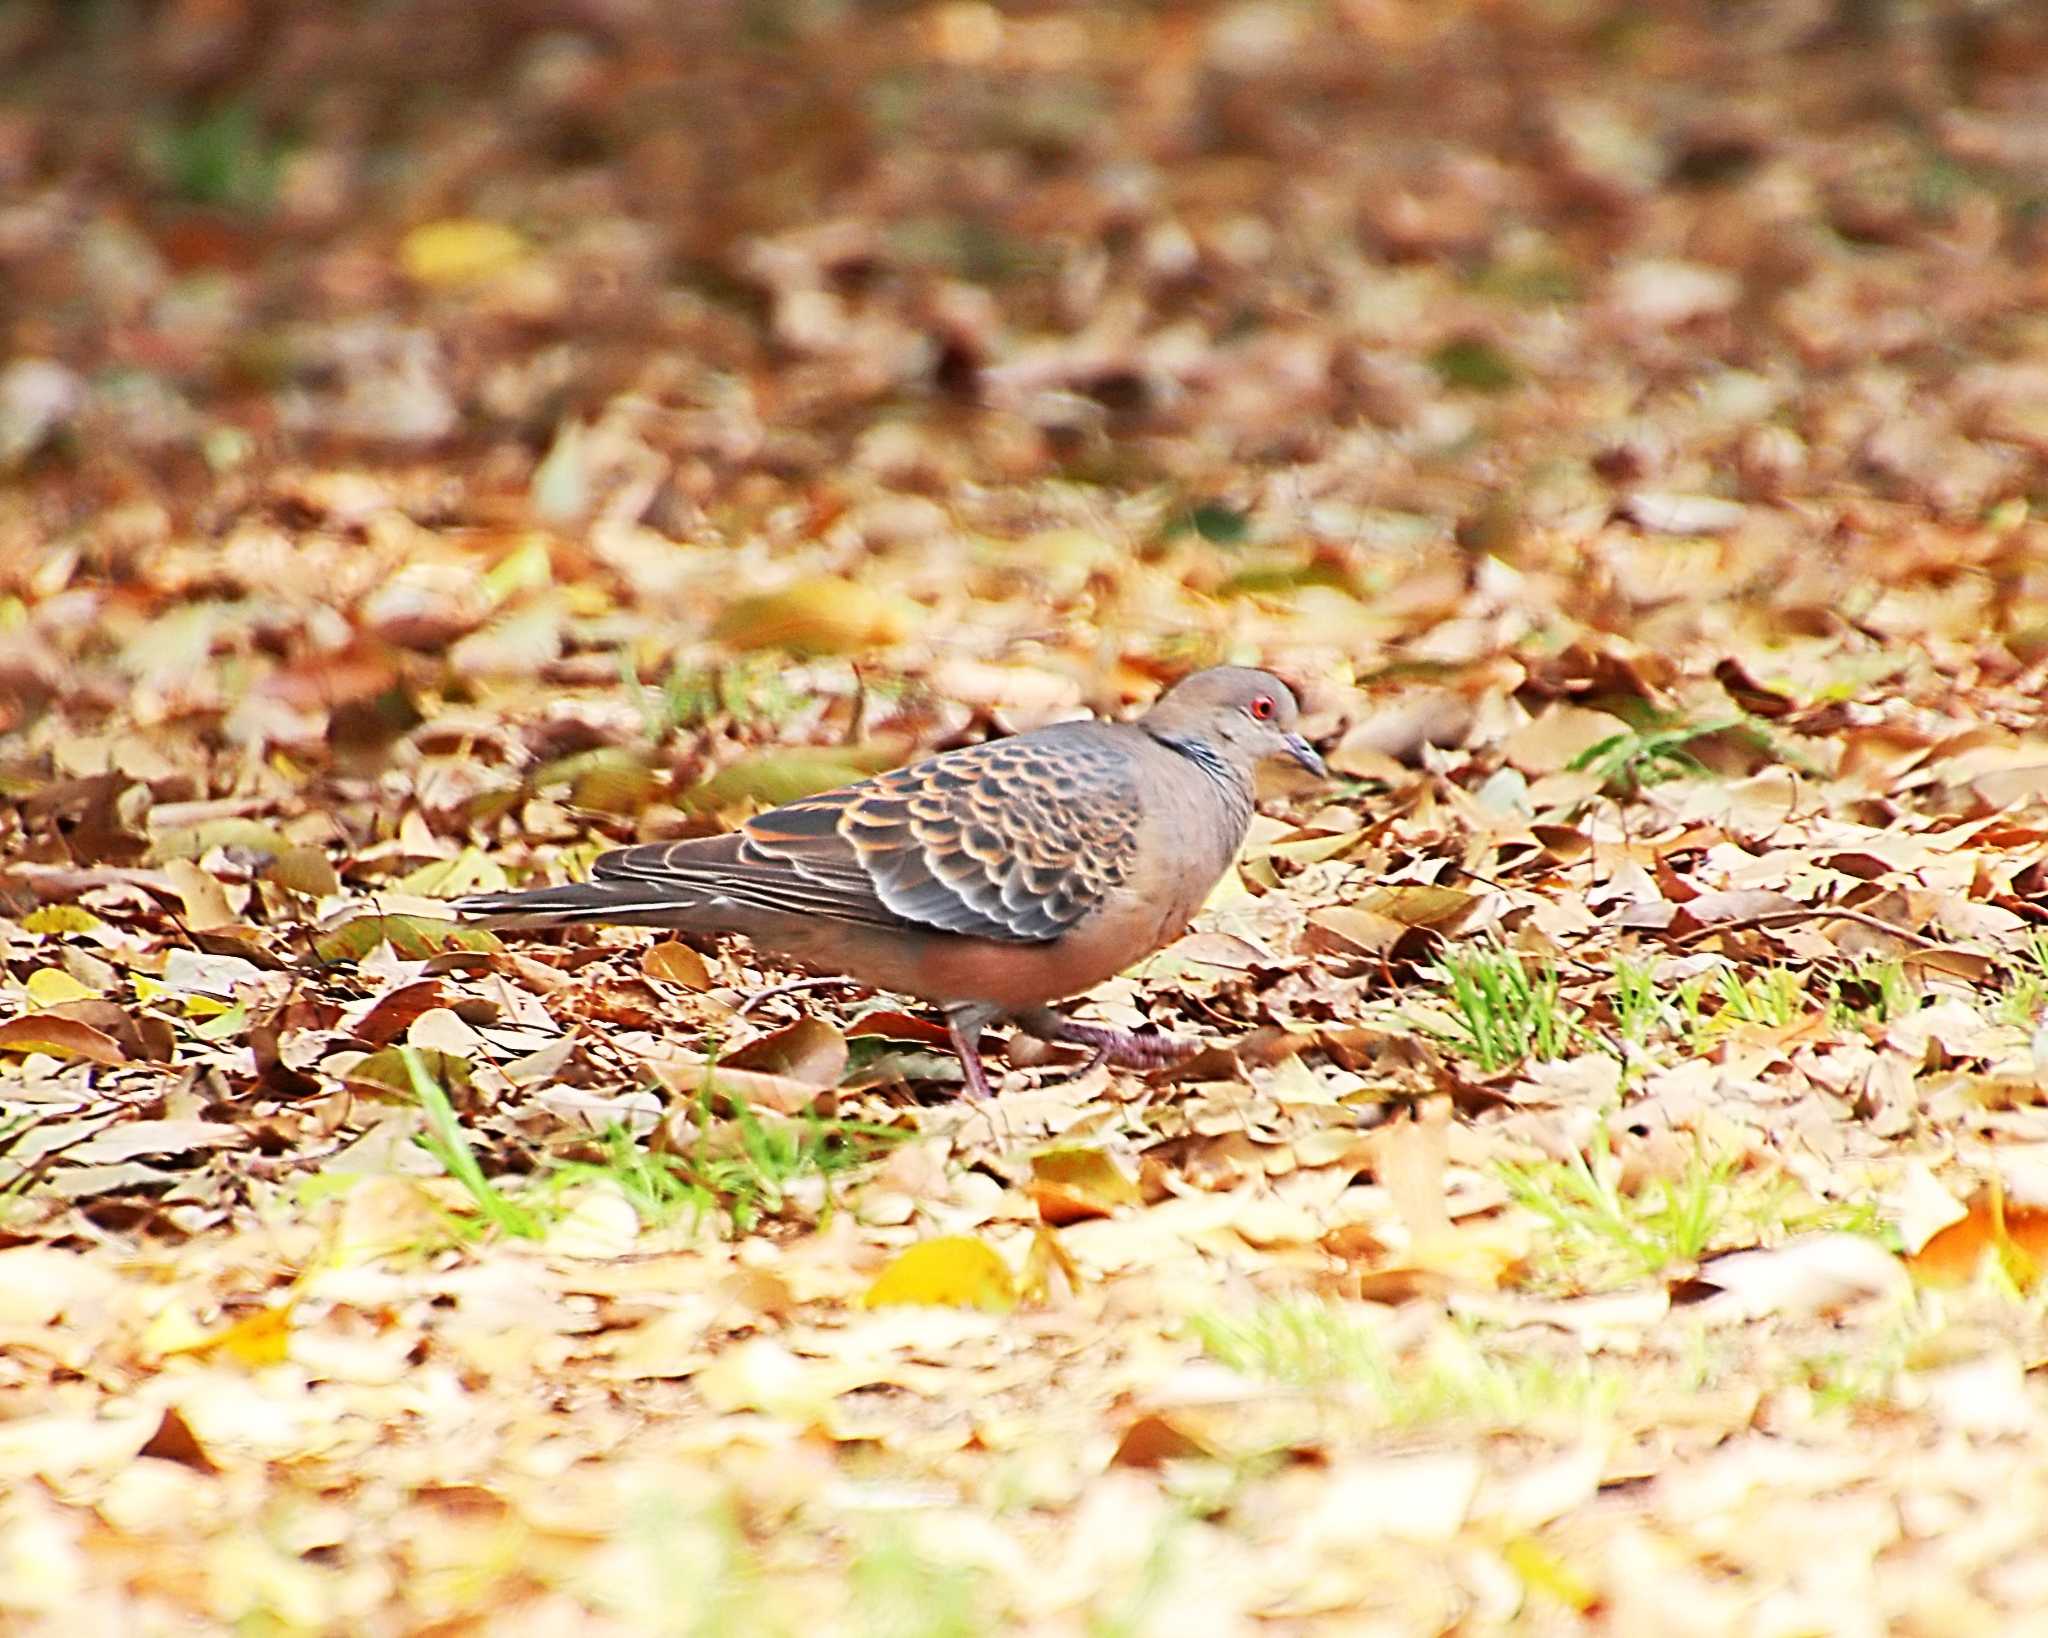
<point>675,963</point>
<point>1552,742</point>
<point>809,1051</point>
<point>62,1037</point>
<point>680,1073</point>
<point>1993,1235</point>
<point>1071,1185</point>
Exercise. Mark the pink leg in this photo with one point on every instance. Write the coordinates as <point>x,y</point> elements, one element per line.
<point>964,1025</point>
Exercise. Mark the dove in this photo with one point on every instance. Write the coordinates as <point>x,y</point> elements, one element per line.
<point>990,881</point>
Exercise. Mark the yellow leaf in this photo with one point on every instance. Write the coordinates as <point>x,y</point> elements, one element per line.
<point>954,1271</point>
<point>611,779</point>
<point>53,987</point>
<point>1543,1571</point>
<point>61,918</point>
<point>470,871</point>
<point>195,841</point>
<point>460,250</point>
<point>529,566</point>
<point>264,1338</point>
<point>412,937</point>
<point>258,1339</point>
<point>788,774</point>
<point>172,1330</point>
<point>822,614</point>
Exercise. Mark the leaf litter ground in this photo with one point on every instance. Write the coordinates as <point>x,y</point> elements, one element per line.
<point>1613,1190</point>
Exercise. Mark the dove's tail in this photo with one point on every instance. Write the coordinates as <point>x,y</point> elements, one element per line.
<point>622,903</point>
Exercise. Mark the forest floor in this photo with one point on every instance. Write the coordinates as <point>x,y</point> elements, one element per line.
<point>439,443</point>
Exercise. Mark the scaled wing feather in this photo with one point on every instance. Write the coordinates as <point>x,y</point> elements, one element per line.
<point>1014,841</point>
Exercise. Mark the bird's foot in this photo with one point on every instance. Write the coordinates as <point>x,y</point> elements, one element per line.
<point>1121,1047</point>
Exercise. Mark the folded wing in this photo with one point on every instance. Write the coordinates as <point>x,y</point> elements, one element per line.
<point>1015,841</point>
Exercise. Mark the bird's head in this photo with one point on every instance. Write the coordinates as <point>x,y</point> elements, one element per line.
<point>1244,716</point>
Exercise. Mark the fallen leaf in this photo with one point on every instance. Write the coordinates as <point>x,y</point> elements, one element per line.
<point>822,614</point>
<point>60,919</point>
<point>1403,1498</point>
<point>810,1052</point>
<point>954,1271</point>
<point>53,987</point>
<point>1556,740</point>
<point>412,937</point>
<point>768,778</point>
<point>1420,904</point>
<point>1345,930</point>
<point>675,963</point>
<point>1994,1232</point>
<point>256,1340</point>
<point>681,1072</point>
<point>61,1038</point>
<point>206,905</point>
<point>1070,1185</point>
<point>125,1140</point>
<point>305,870</point>
<point>761,1374</point>
<point>174,1441</point>
<point>391,1014</point>
<point>1155,1438</point>
<point>460,250</point>
<point>1816,1274</point>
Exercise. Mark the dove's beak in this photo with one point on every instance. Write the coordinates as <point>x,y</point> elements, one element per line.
<point>1305,754</point>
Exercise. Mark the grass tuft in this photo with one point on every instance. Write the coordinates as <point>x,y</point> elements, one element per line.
<point>747,1166</point>
<point>1603,1234</point>
<point>448,1142</point>
<point>1505,1011</point>
<point>1630,1233</point>
<point>1457,1378</point>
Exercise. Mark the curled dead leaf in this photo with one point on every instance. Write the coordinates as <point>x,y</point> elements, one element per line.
<point>1995,1233</point>
<point>809,1051</point>
<point>60,1038</point>
<point>673,962</point>
<point>1072,1185</point>
<point>1155,1438</point>
<point>681,1073</point>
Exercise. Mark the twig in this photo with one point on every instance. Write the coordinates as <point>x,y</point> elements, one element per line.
<point>1785,918</point>
<point>790,988</point>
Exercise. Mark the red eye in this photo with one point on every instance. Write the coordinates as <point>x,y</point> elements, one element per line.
<point>1262,707</point>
